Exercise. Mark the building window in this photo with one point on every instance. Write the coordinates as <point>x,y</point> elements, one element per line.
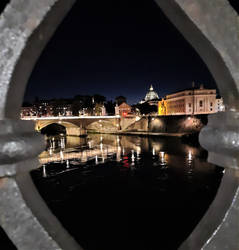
<point>200,103</point>
<point>189,105</point>
<point>211,104</point>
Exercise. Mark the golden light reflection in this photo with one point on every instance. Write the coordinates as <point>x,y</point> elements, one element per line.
<point>61,155</point>
<point>50,151</point>
<point>99,148</point>
<point>190,156</point>
<point>132,156</point>
<point>96,160</point>
<point>163,158</point>
<point>44,174</point>
<point>118,154</point>
<point>157,146</point>
<point>153,151</point>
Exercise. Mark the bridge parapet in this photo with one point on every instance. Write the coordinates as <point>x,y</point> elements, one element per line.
<point>78,125</point>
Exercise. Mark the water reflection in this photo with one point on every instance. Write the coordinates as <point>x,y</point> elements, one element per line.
<point>127,182</point>
<point>131,151</point>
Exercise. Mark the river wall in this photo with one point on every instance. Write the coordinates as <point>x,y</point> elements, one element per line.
<point>169,124</point>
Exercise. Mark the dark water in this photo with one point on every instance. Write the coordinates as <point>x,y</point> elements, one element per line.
<point>140,193</point>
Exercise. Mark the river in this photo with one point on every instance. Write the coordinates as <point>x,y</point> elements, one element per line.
<point>126,192</point>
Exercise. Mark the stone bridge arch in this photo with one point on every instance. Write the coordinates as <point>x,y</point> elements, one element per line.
<point>71,128</point>
<point>24,33</point>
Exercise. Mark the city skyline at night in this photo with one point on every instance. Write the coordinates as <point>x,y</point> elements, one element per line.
<point>116,49</point>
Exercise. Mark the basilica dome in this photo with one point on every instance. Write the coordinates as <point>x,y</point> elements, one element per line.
<point>151,94</point>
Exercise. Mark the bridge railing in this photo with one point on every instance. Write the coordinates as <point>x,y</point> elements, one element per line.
<point>31,118</point>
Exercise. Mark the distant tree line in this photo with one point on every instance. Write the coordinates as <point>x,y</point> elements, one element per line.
<point>90,104</point>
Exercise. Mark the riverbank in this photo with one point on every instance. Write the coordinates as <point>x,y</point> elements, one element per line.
<point>140,133</point>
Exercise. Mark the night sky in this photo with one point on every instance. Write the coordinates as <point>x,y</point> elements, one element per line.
<point>116,48</point>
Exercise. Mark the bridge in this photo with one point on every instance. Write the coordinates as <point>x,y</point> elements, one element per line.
<point>78,125</point>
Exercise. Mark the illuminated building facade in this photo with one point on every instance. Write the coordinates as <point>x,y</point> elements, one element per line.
<point>27,111</point>
<point>189,102</point>
<point>219,105</point>
<point>124,109</point>
<point>162,107</point>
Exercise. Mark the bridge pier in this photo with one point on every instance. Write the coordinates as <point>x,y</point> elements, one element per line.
<point>75,131</point>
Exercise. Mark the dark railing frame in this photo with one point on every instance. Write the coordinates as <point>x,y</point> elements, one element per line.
<point>26,26</point>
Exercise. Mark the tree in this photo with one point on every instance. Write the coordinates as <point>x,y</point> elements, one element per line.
<point>110,108</point>
<point>81,102</point>
<point>98,109</point>
<point>146,108</point>
<point>77,106</point>
<point>26,104</point>
<point>120,99</point>
<point>99,98</point>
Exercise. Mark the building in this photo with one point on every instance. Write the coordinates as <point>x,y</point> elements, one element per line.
<point>117,109</point>
<point>189,102</point>
<point>123,109</point>
<point>103,111</point>
<point>60,109</point>
<point>162,107</point>
<point>220,107</point>
<point>151,97</point>
<point>27,111</point>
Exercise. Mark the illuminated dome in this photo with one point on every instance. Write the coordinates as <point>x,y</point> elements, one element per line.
<point>151,94</point>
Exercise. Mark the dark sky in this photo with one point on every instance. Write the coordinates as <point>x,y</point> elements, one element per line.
<point>116,48</point>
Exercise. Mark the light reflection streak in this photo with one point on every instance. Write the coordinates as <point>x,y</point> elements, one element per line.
<point>83,156</point>
<point>67,164</point>
<point>153,151</point>
<point>190,156</point>
<point>96,159</point>
<point>50,151</point>
<point>162,158</point>
<point>114,147</point>
<point>61,155</point>
<point>118,154</point>
<point>62,143</point>
<point>132,155</point>
<point>190,164</point>
<point>44,174</point>
<point>138,154</point>
<point>125,162</point>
